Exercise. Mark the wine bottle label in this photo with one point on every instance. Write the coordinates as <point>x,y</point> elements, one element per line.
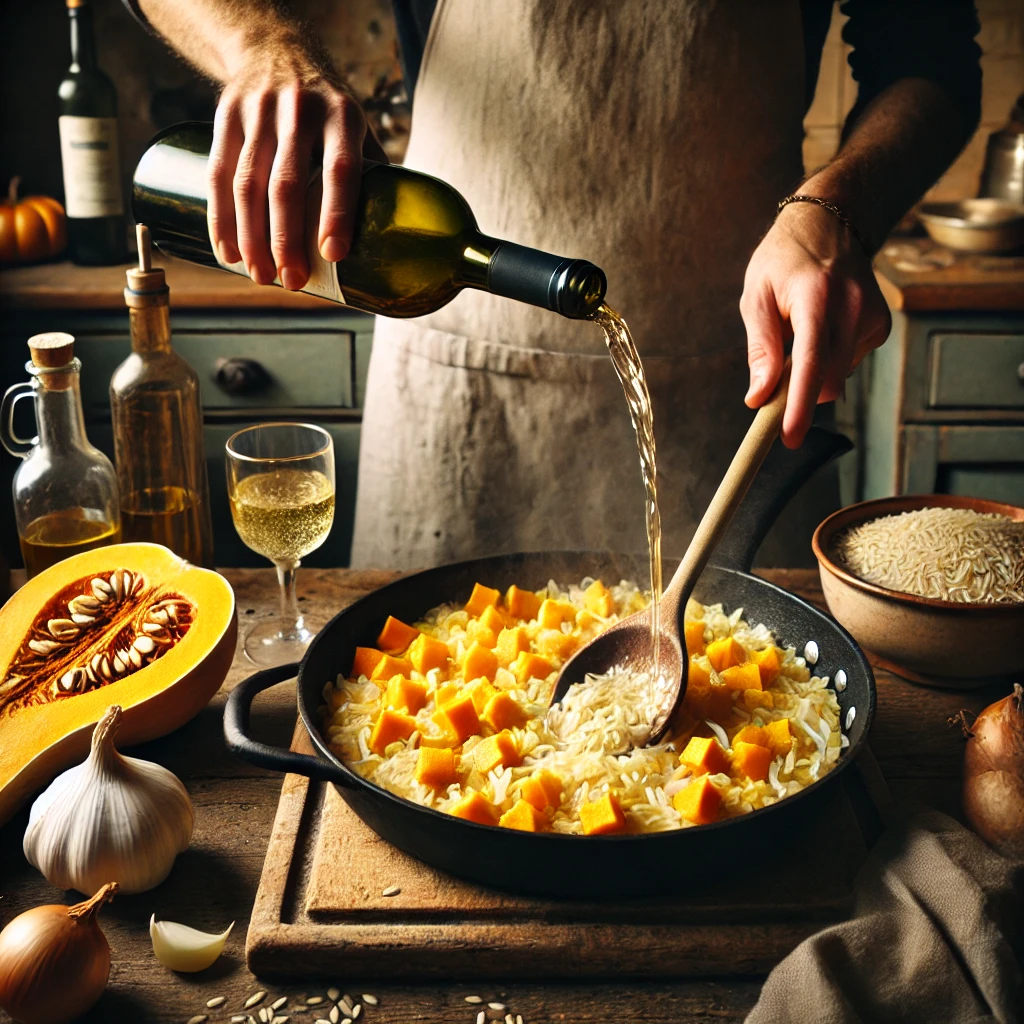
<point>92,168</point>
<point>323,275</point>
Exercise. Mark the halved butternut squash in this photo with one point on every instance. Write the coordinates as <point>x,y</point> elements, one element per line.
<point>128,624</point>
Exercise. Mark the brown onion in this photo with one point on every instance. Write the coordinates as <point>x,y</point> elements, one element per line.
<point>994,774</point>
<point>54,961</point>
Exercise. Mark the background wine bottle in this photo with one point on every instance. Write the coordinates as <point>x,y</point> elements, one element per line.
<point>415,245</point>
<point>89,150</point>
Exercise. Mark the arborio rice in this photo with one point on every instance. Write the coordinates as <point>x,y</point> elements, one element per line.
<point>587,742</point>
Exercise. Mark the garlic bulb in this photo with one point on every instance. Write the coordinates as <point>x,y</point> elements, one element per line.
<point>185,949</point>
<point>111,817</point>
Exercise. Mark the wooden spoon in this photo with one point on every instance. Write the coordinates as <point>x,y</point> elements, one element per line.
<point>628,642</point>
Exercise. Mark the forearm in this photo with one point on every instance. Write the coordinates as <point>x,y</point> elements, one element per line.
<point>901,144</point>
<point>218,37</point>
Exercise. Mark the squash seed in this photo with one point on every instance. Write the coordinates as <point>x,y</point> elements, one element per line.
<point>254,999</point>
<point>217,1001</point>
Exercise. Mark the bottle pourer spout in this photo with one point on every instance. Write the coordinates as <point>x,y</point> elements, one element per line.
<point>147,285</point>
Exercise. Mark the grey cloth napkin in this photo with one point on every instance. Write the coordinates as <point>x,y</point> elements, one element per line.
<point>937,936</point>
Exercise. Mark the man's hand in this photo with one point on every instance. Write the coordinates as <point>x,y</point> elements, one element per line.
<point>276,112</point>
<point>809,280</point>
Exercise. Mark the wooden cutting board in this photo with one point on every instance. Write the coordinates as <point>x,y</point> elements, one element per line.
<point>321,908</point>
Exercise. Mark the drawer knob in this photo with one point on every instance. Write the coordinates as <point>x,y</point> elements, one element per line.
<point>240,376</point>
<point>1020,373</point>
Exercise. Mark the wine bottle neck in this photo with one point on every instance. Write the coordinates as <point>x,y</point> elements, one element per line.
<point>83,46</point>
<point>150,328</point>
<point>574,288</point>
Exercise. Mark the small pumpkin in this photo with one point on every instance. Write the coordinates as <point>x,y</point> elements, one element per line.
<point>31,229</point>
<point>127,624</point>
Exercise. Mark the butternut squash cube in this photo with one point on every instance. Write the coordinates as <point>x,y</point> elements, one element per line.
<point>586,620</point>
<point>758,699</point>
<point>603,816</point>
<point>768,664</point>
<point>481,692</point>
<point>552,613</point>
<point>493,619</point>
<point>511,641</point>
<point>752,759</point>
<point>524,817</point>
<point>502,712</point>
<point>446,693</point>
<point>742,677</point>
<point>704,754</point>
<point>553,643</point>
<point>447,738</point>
<point>479,663</point>
<point>478,633</point>
<point>725,653</point>
<point>751,734</point>
<point>522,604</point>
<point>365,661</point>
<point>407,694</point>
<point>396,636</point>
<point>530,666</point>
<point>544,789</point>
<point>698,675</point>
<point>499,749</point>
<point>390,727</point>
<point>427,652</point>
<point>693,630</point>
<point>778,737</point>
<point>476,807</point>
<point>462,718</point>
<point>481,598</point>
<point>389,666</point>
<point>597,598</point>
<point>699,801</point>
<point>435,767</point>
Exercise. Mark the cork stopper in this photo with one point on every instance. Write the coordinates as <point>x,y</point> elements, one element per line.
<point>147,285</point>
<point>52,350</point>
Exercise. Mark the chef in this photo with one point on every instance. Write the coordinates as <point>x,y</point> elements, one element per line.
<point>660,139</point>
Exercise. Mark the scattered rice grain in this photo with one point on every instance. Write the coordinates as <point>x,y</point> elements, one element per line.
<point>198,1018</point>
<point>335,1015</point>
<point>212,1004</point>
<point>280,1019</point>
<point>333,994</point>
<point>473,999</point>
<point>500,1007</point>
<point>314,1000</point>
<point>391,890</point>
<point>278,1003</point>
<point>254,999</point>
<point>370,1000</point>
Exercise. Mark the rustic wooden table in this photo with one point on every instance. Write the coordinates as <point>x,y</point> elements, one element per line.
<point>215,881</point>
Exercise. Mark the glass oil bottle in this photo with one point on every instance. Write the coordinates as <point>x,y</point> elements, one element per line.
<point>65,490</point>
<point>158,426</point>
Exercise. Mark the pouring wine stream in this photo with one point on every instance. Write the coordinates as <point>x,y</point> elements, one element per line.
<point>629,642</point>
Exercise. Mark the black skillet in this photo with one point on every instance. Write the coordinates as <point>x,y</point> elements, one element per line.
<point>550,864</point>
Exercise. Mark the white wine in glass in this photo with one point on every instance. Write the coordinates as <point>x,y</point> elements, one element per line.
<point>281,489</point>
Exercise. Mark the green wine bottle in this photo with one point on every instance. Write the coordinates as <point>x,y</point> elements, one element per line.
<point>88,150</point>
<point>415,244</point>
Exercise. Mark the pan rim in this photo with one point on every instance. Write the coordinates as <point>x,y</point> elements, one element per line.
<point>374,790</point>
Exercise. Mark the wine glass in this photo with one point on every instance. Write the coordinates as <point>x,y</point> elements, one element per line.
<point>281,489</point>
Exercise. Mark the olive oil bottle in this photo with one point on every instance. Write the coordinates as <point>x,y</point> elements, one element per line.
<point>416,244</point>
<point>158,426</point>
<point>65,490</point>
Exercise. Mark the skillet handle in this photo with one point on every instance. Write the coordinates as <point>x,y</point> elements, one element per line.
<point>241,744</point>
<point>781,475</point>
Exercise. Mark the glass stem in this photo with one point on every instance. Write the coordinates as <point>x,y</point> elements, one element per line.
<point>291,617</point>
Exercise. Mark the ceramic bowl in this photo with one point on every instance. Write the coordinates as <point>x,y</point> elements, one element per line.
<point>941,643</point>
<point>975,225</point>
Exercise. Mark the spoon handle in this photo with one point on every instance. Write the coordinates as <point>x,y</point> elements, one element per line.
<point>744,466</point>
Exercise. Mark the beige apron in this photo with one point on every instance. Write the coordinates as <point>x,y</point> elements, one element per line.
<point>652,137</point>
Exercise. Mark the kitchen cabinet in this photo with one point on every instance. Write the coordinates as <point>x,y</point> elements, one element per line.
<point>945,394</point>
<point>261,355</point>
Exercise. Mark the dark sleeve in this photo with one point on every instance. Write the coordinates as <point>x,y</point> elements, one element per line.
<point>932,39</point>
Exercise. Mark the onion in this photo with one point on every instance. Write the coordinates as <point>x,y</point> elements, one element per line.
<point>994,774</point>
<point>54,961</point>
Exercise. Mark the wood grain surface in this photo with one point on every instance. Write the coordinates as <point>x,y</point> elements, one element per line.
<point>215,881</point>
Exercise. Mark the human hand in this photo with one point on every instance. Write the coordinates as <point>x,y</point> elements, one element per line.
<point>276,111</point>
<point>809,280</point>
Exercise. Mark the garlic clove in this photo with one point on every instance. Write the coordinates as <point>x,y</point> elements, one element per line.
<point>182,948</point>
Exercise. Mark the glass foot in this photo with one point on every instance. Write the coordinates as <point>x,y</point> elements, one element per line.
<point>267,644</point>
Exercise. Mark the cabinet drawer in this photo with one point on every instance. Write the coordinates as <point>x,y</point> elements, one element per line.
<point>976,371</point>
<point>302,369</point>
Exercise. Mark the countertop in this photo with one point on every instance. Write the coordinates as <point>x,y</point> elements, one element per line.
<point>214,882</point>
